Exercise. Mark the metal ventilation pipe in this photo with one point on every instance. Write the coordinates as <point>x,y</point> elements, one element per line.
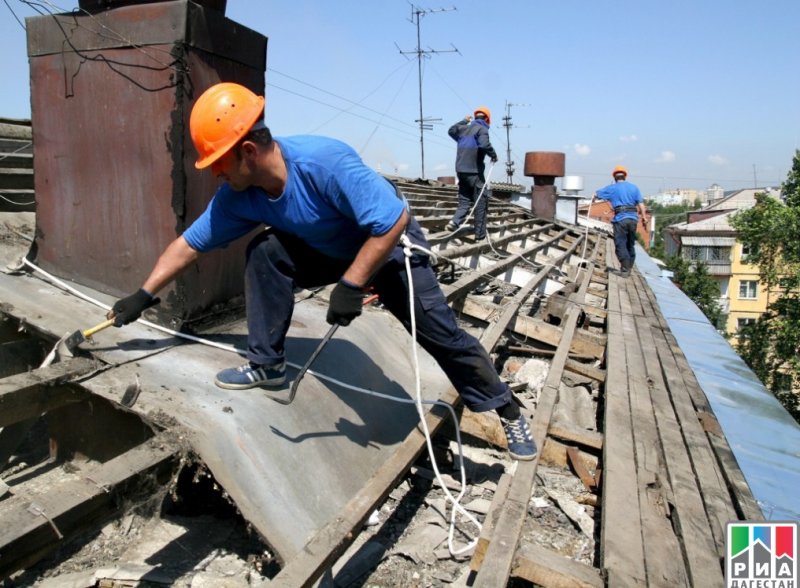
<point>544,167</point>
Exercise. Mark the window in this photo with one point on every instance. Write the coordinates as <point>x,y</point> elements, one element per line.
<point>747,251</point>
<point>741,327</point>
<point>748,289</point>
<point>694,253</point>
<point>710,255</point>
<point>743,322</point>
<point>718,254</point>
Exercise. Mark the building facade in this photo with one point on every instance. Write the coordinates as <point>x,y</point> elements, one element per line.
<point>708,237</point>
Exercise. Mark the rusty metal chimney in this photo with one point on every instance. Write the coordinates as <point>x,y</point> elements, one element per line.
<point>111,94</point>
<point>544,167</point>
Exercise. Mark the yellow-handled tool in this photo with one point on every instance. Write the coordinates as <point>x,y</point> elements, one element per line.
<point>79,337</point>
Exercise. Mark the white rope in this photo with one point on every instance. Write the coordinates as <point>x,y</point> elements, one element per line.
<point>14,202</point>
<point>478,199</point>
<point>418,401</point>
<point>502,255</point>
<point>166,330</point>
<point>408,248</point>
<point>586,232</point>
<point>17,150</point>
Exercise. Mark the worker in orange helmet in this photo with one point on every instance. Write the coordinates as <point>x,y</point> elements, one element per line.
<point>628,204</point>
<point>474,145</point>
<point>332,220</point>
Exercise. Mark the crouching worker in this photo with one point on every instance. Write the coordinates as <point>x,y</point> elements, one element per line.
<point>332,220</point>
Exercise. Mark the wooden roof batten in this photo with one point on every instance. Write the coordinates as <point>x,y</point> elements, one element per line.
<point>669,480</point>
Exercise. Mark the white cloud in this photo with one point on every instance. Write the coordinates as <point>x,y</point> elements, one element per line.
<point>629,138</point>
<point>581,149</point>
<point>717,160</point>
<point>666,157</point>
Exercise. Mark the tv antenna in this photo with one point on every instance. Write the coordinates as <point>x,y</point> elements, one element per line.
<point>508,125</point>
<point>424,123</point>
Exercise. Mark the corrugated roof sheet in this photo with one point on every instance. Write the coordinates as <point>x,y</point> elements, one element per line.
<point>707,241</point>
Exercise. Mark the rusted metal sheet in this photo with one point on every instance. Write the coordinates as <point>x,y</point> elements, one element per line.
<point>114,175</point>
<point>544,167</point>
<point>544,163</point>
<point>543,201</point>
<point>178,21</point>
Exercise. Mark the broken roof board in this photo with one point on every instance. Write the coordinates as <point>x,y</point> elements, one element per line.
<point>289,469</point>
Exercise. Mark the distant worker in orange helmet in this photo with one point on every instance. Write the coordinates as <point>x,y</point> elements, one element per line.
<point>331,220</point>
<point>628,204</point>
<point>474,145</point>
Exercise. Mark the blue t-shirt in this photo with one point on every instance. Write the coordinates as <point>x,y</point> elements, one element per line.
<point>621,194</point>
<point>332,201</point>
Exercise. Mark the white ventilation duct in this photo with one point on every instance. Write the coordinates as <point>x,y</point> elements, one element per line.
<point>567,200</point>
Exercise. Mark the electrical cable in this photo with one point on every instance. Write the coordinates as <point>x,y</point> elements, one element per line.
<point>309,98</point>
<point>352,103</point>
<point>114,64</point>
<point>391,103</point>
<point>114,35</point>
<point>14,14</point>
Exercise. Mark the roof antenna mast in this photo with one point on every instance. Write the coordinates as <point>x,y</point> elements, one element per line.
<point>508,126</point>
<point>424,123</point>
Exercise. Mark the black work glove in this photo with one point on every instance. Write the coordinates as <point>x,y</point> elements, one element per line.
<point>128,309</point>
<point>345,303</point>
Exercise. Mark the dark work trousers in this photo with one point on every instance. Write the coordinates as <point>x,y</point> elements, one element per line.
<point>625,241</point>
<point>277,262</point>
<point>469,188</point>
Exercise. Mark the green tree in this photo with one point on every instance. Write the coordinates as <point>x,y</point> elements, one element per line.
<point>695,281</point>
<point>771,345</point>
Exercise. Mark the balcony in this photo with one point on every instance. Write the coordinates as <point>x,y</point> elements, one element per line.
<point>719,268</point>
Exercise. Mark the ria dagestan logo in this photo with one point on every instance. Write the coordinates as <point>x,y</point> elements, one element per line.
<point>761,555</point>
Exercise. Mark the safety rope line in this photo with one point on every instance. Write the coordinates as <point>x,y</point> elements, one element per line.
<point>17,150</point>
<point>488,238</point>
<point>586,232</point>
<point>417,401</point>
<point>14,202</point>
<point>408,249</point>
<point>478,199</point>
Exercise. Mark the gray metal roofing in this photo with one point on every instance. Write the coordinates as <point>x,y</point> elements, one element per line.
<point>282,465</point>
<point>763,436</point>
<point>707,241</point>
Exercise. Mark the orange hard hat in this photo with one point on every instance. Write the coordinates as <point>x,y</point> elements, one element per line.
<point>620,169</point>
<point>486,112</point>
<point>222,115</point>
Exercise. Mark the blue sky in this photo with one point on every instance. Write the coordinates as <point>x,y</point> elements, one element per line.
<point>685,94</point>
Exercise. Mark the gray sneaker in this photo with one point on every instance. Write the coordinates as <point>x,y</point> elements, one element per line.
<point>451,226</point>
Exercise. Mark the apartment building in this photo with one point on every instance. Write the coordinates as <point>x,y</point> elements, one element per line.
<point>708,236</point>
